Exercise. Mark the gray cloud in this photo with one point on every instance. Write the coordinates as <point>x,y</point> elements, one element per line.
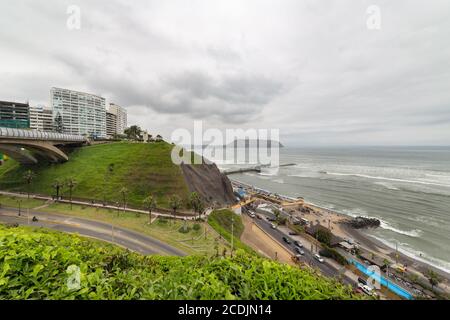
<point>310,68</point>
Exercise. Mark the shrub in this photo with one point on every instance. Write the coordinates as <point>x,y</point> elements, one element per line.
<point>333,254</point>
<point>34,264</point>
<point>196,226</point>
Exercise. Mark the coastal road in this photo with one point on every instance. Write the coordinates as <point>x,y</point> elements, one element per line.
<point>308,257</point>
<point>99,230</point>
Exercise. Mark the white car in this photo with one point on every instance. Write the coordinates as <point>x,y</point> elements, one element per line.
<point>273,226</point>
<point>318,258</point>
<point>251,214</point>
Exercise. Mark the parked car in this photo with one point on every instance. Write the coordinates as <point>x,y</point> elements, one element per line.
<point>271,219</point>
<point>298,244</point>
<point>258,216</point>
<point>273,226</point>
<point>286,239</point>
<point>293,233</point>
<point>251,214</point>
<point>318,258</point>
<point>299,251</point>
<point>361,280</point>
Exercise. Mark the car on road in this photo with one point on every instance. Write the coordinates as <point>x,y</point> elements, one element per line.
<point>318,258</point>
<point>271,219</point>
<point>251,214</point>
<point>298,244</point>
<point>258,217</point>
<point>299,251</point>
<point>286,239</point>
<point>273,226</point>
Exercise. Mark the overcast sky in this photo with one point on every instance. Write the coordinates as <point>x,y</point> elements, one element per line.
<point>311,68</point>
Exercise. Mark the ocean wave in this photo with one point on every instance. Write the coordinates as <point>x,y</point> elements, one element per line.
<point>389,179</point>
<point>407,250</point>
<point>387,185</point>
<point>416,233</point>
<point>278,181</point>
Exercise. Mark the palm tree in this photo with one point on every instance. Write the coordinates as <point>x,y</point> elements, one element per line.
<point>71,183</point>
<point>109,172</point>
<point>57,185</point>
<point>433,278</point>
<point>196,203</point>
<point>174,204</point>
<point>277,213</point>
<point>29,176</point>
<point>124,193</point>
<point>150,205</point>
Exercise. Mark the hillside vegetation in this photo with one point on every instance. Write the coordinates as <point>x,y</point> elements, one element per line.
<point>221,220</point>
<point>141,168</point>
<point>37,264</point>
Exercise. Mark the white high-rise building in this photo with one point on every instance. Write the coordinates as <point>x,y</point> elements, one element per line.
<point>78,113</point>
<point>121,117</point>
<point>41,118</point>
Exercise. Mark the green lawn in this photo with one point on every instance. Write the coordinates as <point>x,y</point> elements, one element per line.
<point>142,168</point>
<point>12,201</point>
<point>166,230</point>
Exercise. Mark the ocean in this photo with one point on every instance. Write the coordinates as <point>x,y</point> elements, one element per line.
<point>407,188</point>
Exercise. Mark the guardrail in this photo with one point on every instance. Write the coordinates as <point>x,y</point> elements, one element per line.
<point>38,135</point>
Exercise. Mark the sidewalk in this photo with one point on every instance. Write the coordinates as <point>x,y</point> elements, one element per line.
<point>98,205</point>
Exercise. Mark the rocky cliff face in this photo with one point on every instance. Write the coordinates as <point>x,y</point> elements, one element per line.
<point>209,183</point>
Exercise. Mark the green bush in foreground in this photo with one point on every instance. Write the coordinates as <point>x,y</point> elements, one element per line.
<point>34,265</point>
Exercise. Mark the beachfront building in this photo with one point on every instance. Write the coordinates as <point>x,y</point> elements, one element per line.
<point>111,125</point>
<point>121,117</point>
<point>14,114</point>
<point>41,118</point>
<point>78,113</point>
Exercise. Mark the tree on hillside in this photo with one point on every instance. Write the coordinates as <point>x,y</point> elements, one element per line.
<point>109,172</point>
<point>71,183</point>
<point>196,203</point>
<point>174,204</point>
<point>133,132</point>
<point>150,205</point>
<point>29,176</point>
<point>57,185</point>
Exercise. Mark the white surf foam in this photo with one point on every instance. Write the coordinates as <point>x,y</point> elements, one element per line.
<point>389,179</point>
<point>416,233</point>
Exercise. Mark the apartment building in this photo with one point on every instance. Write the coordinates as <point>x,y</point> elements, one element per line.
<point>79,113</point>
<point>121,117</point>
<point>41,118</point>
<point>14,114</point>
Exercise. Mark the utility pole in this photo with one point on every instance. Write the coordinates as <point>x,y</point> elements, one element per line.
<point>28,216</point>
<point>20,201</point>
<point>232,235</point>
<point>112,233</point>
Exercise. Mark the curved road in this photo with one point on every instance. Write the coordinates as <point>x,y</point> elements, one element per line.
<point>95,229</point>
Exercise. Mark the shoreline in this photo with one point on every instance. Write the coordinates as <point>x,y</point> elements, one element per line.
<point>366,240</point>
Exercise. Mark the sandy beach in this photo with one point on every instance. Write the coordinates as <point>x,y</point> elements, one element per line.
<point>335,221</point>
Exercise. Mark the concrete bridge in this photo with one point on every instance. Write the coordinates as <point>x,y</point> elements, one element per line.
<point>30,146</point>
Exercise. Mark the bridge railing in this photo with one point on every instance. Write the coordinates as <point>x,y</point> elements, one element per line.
<point>39,135</point>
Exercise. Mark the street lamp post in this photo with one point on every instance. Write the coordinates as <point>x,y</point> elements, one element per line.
<point>20,201</point>
<point>232,235</point>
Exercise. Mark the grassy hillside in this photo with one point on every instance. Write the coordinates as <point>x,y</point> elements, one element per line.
<point>142,168</point>
<point>220,220</point>
<point>34,264</point>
